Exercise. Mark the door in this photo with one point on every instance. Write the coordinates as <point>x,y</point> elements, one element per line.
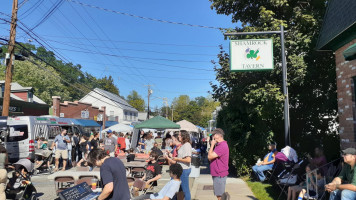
<point>17,144</point>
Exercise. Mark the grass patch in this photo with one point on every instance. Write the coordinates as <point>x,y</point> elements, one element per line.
<point>263,191</point>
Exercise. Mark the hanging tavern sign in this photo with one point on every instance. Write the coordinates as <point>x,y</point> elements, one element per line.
<point>251,55</point>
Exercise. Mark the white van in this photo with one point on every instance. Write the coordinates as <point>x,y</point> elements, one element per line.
<point>23,130</point>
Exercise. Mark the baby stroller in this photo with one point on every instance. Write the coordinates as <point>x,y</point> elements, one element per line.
<point>43,161</point>
<point>26,190</point>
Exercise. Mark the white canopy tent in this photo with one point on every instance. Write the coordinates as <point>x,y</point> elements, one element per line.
<point>185,125</point>
<point>119,128</point>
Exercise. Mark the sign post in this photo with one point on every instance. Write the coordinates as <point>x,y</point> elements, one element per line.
<point>249,62</point>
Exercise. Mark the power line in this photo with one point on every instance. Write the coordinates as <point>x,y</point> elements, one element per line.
<point>131,42</point>
<point>143,68</point>
<point>79,89</point>
<point>98,27</point>
<point>72,44</point>
<point>49,13</point>
<point>133,57</point>
<point>41,43</point>
<point>32,9</point>
<point>175,66</point>
<point>28,33</point>
<point>22,3</point>
<point>85,36</point>
<point>146,18</point>
<point>55,50</point>
<point>164,77</point>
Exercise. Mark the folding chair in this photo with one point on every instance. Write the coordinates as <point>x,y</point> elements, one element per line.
<point>130,180</point>
<point>138,172</point>
<point>290,176</point>
<point>179,195</point>
<point>88,176</point>
<point>84,179</point>
<point>63,182</point>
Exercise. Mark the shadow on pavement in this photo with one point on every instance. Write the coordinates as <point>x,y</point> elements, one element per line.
<point>39,194</point>
<point>251,197</point>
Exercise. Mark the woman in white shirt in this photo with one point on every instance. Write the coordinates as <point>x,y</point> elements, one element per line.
<point>184,159</point>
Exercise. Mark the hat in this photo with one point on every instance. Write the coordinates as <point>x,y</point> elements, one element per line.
<point>109,131</point>
<point>26,163</point>
<point>351,151</point>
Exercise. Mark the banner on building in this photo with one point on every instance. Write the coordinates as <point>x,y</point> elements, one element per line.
<point>85,114</point>
<point>251,55</point>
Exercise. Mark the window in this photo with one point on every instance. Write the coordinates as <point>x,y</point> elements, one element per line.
<point>53,132</point>
<point>111,113</point>
<point>2,90</point>
<point>17,133</point>
<point>30,96</point>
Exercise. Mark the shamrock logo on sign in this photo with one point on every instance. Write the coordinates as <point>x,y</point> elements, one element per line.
<point>251,54</point>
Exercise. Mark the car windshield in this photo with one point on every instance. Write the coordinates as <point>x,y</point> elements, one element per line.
<point>17,133</point>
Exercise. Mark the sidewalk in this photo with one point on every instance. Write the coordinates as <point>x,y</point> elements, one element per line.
<point>203,188</point>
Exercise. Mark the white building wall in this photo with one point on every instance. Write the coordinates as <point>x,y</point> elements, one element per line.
<point>93,97</point>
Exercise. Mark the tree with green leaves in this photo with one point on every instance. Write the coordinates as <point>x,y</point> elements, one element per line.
<point>76,83</point>
<point>107,83</point>
<point>197,111</point>
<point>46,83</point>
<point>252,112</point>
<point>135,100</point>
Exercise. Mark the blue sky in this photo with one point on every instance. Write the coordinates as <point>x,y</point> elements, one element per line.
<point>174,58</point>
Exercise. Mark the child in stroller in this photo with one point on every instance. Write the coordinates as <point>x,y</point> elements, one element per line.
<point>43,160</point>
<point>20,186</point>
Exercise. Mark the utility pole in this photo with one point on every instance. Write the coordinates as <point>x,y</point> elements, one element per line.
<point>9,67</point>
<point>148,101</point>
<point>165,101</point>
<point>172,112</point>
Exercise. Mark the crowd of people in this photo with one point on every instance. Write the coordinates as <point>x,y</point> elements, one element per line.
<point>342,187</point>
<point>176,149</point>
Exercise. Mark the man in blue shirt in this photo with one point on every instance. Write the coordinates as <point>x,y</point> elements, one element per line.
<point>267,163</point>
<point>60,142</point>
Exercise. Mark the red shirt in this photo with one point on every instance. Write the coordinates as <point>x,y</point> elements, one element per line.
<point>121,142</point>
<point>175,151</point>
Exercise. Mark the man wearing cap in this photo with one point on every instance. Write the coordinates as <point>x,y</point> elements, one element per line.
<point>219,162</point>
<point>110,145</point>
<point>267,163</point>
<point>343,187</point>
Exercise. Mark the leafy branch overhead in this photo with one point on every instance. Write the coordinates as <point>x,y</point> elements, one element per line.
<point>252,112</point>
